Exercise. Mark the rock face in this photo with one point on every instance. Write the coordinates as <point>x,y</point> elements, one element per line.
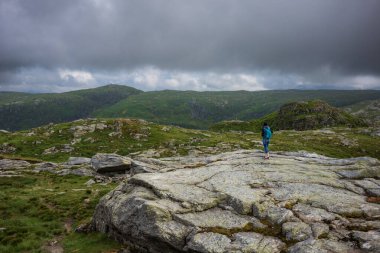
<point>238,202</point>
<point>103,163</point>
<point>9,168</point>
<point>78,160</point>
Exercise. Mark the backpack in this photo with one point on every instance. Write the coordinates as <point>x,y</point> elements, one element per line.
<point>267,133</point>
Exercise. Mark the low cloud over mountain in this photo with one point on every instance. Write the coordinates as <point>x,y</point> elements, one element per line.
<point>202,45</point>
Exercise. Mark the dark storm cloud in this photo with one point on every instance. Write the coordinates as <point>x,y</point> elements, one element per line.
<point>322,41</point>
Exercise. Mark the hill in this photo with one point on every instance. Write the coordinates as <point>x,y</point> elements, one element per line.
<point>43,202</point>
<point>22,110</point>
<point>369,111</point>
<point>297,116</point>
<point>200,110</point>
<point>190,109</point>
<point>57,142</point>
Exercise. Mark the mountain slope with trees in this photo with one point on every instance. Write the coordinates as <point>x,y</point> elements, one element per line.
<point>190,109</point>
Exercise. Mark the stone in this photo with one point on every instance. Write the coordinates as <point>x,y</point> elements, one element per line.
<point>255,242</point>
<point>103,163</point>
<point>46,166</point>
<point>9,164</point>
<point>310,214</point>
<point>296,231</point>
<point>368,240</point>
<point>141,167</point>
<point>78,160</point>
<point>235,202</point>
<point>7,148</point>
<point>278,215</point>
<point>209,242</point>
<point>320,230</point>
<point>221,221</point>
<point>90,182</point>
<point>363,225</point>
<point>83,172</point>
<point>320,246</point>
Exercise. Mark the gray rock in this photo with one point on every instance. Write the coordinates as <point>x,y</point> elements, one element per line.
<point>46,166</point>
<point>374,192</point>
<point>214,203</point>
<point>209,242</point>
<point>220,220</point>
<point>296,231</point>
<point>320,230</point>
<point>254,242</point>
<point>90,182</point>
<point>83,172</point>
<point>138,167</point>
<point>8,164</point>
<point>310,214</point>
<point>321,246</point>
<point>103,163</point>
<point>7,148</point>
<point>78,160</point>
<point>368,240</point>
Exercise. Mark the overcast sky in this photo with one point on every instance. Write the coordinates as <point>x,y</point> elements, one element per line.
<point>55,45</point>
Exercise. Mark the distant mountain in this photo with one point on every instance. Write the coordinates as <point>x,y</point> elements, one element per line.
<point>189,109</point>
<point>297,116</point>
<point>23,110</point>
<point>200,110</point>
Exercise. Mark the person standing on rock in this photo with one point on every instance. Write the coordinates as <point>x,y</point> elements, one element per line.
<point>266,133</point>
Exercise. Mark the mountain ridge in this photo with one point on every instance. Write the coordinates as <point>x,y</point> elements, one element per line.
<point>190,109</point>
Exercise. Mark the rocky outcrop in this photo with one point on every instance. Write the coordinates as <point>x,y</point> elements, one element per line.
<point>103,163</point>
<point>238,202</point>
<point>9,167</point>
<point>78,160</point>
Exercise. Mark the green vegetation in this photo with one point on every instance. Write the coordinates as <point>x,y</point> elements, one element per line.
<point>122,136</point>
<point>200,110</point>
<point>191,109</point>
<point>22,111</point>
<point>36,209</point>
<point>369,111</point>
<point>127,136</point>
<point>314,114</point>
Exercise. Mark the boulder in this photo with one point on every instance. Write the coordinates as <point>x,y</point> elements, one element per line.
<point>296,231</point>
<point>46,166</point>
<point>105,163</point>
<point>78,160</point>
<point>9,164</point>
<point>236,202</point>
<point>368,240</point>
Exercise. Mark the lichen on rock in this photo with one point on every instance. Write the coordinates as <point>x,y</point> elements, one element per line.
<point>236,202</point>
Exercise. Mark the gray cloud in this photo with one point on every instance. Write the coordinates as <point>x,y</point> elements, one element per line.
<point>281,43</point>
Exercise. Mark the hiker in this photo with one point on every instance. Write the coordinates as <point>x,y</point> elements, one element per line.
<point>266,133</point>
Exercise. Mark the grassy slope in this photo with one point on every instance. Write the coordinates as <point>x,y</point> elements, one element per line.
<point>35,207</point>
<point>202,109</point>
<point>368,110</point>
<point>178,141</point>
<point>313,114</point>
<point>23,111</point>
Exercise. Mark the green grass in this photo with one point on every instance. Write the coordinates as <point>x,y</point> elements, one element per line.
<point>200,110</point>
<point>189,109</point>
<point>308,115</point>
<point>22,111</point>
<point>35,207</point>
<point>178,141</point>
